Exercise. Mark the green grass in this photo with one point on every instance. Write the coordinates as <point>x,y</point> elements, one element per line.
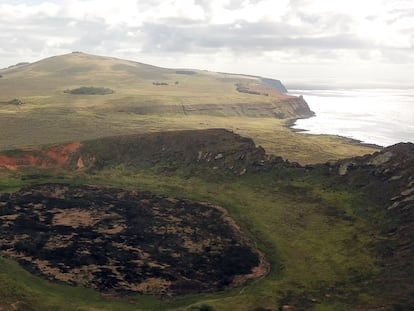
<point>17,285</point>
<point>316,253</point>
<point>45,126</point>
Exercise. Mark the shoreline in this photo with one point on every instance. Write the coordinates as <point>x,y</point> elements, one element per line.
<point>291,122</point>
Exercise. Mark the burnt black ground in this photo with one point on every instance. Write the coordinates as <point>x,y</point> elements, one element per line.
<point>118,240</point>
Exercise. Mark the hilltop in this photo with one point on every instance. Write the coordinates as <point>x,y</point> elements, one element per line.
<point>78,96</point>
<point>144,89</point>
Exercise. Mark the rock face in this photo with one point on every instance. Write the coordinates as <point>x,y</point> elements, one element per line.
<point>117,240</point>
<point>275,84</point>
<point>288,107</point>
<point>215,148</point>
<point>387,178</point>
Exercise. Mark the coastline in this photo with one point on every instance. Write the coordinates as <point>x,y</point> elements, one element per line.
<point>291,122</point>
<point>364,116</point>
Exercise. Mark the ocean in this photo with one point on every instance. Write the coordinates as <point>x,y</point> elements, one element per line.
<point>375,116</point>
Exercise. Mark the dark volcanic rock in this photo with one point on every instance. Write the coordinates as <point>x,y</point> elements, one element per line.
<point>387,178</point>
<point>208,149</point>
<point>117,240</point>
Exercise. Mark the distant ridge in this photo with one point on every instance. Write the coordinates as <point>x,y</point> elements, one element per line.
<point>79,96</point>
<point>146,89</point>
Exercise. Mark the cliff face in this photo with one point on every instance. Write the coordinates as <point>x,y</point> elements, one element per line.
<point>276,84</point>
<point>387,178</point>
<point>289,107</point>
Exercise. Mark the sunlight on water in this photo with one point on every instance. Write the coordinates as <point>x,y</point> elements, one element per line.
<point>378,116</point>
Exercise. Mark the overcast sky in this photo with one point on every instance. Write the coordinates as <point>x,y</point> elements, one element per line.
<point>318,42</point>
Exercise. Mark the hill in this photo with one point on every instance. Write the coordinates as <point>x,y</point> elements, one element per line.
<point>337,236</point>
<point>145,89</point>
<point>79,96</point>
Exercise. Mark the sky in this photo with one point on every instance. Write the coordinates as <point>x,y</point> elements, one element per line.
<point>304,43</point>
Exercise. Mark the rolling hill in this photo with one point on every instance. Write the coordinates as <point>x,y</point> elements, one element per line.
<point>81,96</point>
<point>144,89</point>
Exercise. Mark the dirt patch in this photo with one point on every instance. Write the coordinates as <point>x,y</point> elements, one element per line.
<point>125,241</point>
<point>75,218</point>
<point>46,157</point>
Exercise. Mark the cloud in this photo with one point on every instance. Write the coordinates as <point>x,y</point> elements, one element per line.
<point>281,32</point>
<point>252,37</point>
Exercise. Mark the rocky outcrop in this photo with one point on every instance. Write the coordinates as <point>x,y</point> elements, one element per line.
<point>214,149</point>
<point>387,178</point>
<point>275,84</point>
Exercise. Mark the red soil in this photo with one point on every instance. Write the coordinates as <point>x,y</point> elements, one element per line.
<point>8,162</point>
<point>41,157</point>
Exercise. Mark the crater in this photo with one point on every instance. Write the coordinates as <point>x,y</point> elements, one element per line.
<point>122,241</point>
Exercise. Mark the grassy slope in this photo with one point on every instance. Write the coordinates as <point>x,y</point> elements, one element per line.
<point>42,84</point>
<point>315,254</point>
<point>35,128</point>
<point>51,116</point>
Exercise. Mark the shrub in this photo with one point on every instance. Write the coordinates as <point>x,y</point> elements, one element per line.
<point>185,72</point>
<point>89,90</point>
<point>16,102</point>
<point>244,89</point>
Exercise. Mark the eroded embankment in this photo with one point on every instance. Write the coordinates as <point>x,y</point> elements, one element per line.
<point>216,149</point>
<point>118,240</point>
<point>41,157</point>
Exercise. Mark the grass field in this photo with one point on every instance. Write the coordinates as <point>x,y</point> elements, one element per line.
<point>36,128</point>
<point>309,234</point>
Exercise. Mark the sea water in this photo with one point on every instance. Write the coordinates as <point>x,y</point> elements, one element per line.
<point>376,116</point>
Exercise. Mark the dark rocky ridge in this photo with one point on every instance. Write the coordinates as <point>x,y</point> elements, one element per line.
<point>216,149</point>
<point>118,240</point>
<point>387,178</point>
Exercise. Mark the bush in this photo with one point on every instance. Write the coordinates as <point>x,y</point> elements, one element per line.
<point>90,90</point>
<point>16,102</point>
<point>185,72</point>
<point>244,89</point>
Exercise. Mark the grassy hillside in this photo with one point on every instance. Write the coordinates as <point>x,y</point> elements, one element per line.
<point>141,102</point>
<point>135,84</point>
<point>323,230</point>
